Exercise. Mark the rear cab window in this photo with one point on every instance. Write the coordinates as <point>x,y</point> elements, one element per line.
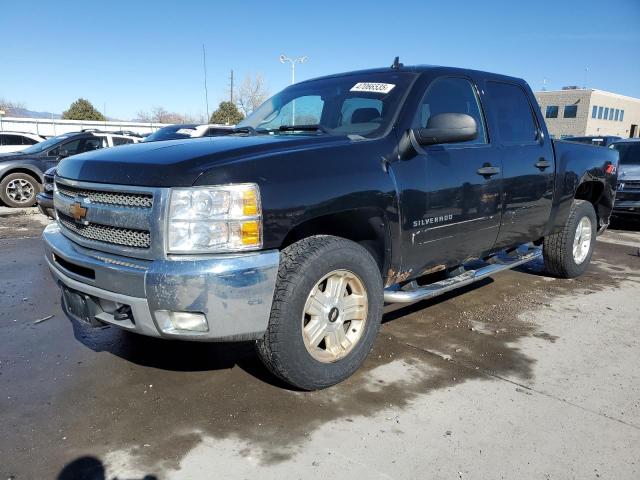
<point>514,117</point>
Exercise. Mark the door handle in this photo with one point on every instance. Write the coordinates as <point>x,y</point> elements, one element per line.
<point>488,171</point>
<point>542,164</point>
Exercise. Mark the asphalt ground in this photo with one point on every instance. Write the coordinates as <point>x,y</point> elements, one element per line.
<point>520,376</point>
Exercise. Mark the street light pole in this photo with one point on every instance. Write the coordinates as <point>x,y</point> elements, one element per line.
<point>293,61</point>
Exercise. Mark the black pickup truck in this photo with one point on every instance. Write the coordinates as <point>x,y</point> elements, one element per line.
<point>336,196</point>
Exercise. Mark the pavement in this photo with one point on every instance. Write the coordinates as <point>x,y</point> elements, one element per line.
<point>521,376</point>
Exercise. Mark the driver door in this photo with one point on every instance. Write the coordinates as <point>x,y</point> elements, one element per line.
<point>450,193</point>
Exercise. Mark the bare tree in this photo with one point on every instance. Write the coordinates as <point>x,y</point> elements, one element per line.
<point>10,107</point>
<point>252,93</point>
<point>160,114</point>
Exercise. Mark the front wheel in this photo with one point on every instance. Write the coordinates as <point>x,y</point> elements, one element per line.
<point>19,190</point>
<point>326,312</point>
<point>567,253</point>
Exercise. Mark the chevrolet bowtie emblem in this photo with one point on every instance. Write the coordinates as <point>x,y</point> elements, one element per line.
<point>77,211</point>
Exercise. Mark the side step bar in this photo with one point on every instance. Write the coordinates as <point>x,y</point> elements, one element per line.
<point>501,261</point>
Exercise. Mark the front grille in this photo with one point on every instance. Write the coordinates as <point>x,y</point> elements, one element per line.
<point>104,233</point>
<point>135,200</point>
<point>631,184</point>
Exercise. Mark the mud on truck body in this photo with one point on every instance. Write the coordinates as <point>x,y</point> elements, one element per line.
<point>336,196</point>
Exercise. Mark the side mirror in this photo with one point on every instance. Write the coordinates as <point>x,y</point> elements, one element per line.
<point>447,128</point>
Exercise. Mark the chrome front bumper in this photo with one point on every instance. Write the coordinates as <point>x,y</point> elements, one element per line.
<point>233,292</point>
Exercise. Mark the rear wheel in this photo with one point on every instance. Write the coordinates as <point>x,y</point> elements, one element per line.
<point>567,253</point>
<point>326,312</point>
<point>19,190</point>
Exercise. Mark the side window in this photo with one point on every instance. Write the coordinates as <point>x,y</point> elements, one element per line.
<point>121,141</point>
<point>71,147</point>
<point>451,95</point>
<point>92,143</point>
<point>12,140</point>
<point>28,141</point>
<point>512,112</point>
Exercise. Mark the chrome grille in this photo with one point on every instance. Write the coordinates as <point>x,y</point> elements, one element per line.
<point>108,234</point>
<point>135,200</point>
<point>630,184</point>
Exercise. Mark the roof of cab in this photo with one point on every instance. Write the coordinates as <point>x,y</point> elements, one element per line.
<point>437,69</point>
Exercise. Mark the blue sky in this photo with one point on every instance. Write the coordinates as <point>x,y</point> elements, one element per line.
<point>134,55</point>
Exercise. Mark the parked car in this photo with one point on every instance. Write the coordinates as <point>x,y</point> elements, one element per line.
<point>188,130</point>
<point>628,197</point>
<point>22,173</point>
<point>602,141</point>
<point>296,228</point>
<point>45,197</point>
<point>16,141</point>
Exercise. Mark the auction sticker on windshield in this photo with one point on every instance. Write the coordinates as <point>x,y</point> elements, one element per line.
<point>372,87</point>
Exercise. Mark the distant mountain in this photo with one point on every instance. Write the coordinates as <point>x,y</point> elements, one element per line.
<point>23,112</point>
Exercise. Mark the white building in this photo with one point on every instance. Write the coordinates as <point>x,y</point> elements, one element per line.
<point>589,112</point>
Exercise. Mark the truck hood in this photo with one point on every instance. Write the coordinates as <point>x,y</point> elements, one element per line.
<point>178,163</point>
<point>628,172</point>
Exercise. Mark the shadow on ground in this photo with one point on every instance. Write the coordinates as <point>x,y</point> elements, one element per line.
<point>222,390</point>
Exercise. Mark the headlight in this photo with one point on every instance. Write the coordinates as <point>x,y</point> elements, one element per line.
<point>214,219</point>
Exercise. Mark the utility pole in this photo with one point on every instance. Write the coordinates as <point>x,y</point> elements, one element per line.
<point>231,87</point>
<point>206,93</point>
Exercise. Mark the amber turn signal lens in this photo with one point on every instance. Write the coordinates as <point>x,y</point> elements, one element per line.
<point>249,203</point>
<point>250,233</point>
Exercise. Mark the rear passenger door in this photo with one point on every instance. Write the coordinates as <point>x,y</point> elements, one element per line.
<point>528,163</point>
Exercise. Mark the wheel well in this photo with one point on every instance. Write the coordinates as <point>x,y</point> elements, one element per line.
<point>364,226</point>
<point>26,171</point>
<point>591,192</point>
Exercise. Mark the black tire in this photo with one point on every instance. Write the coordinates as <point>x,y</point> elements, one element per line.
<point>302,265</point>
<point>558,254</point>
<point>10,180</point>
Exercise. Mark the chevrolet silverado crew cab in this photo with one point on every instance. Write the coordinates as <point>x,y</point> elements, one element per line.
<point>336,196</point>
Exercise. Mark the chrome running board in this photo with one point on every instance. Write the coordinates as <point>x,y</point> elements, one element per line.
<point>474,272</point>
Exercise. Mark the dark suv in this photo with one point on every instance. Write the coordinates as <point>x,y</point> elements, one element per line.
<point>22,173</point>
<point>628,197</point>
<point>599,141</point>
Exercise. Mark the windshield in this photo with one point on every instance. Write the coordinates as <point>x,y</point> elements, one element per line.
<point>629,153</point>
<point>42,146</point>
<point>172,132</point>
<point>361,104</point>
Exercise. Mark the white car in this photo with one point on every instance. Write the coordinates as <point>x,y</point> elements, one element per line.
<point>182,131</point>
<point>16,141</point>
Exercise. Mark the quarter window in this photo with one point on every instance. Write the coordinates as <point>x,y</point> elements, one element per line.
<point>121,141</point>
<point>552,111</point>
<point>513,113</point>
<point>570,111</point>
<point>452,95</point>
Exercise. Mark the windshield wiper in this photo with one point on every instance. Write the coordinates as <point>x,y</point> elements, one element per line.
<point>249,129</point>
<point>316,127</point>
